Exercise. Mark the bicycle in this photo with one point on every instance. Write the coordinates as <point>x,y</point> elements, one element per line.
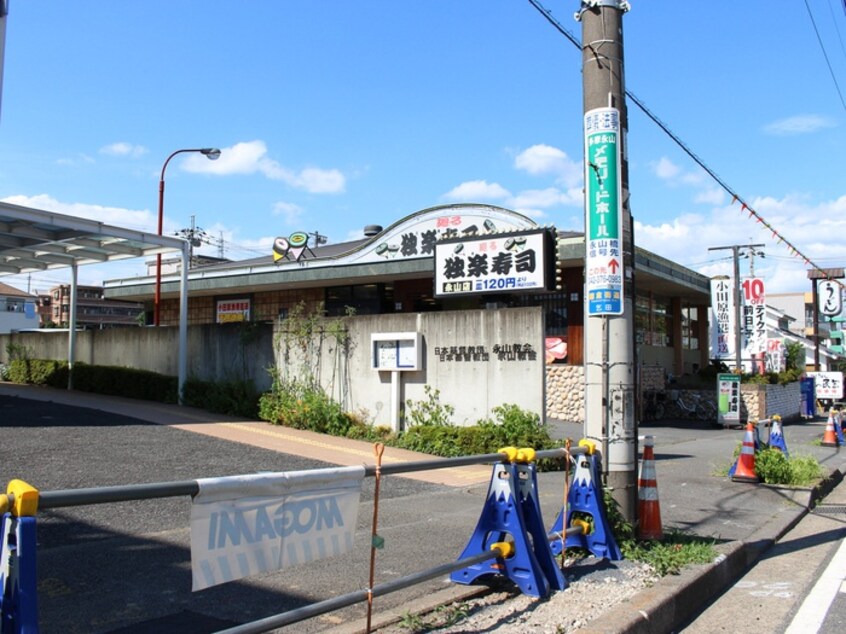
<point>699,408</point>
<point>653,405</point>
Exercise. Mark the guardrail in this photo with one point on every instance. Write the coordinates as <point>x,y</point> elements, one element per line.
<point>509,539</point>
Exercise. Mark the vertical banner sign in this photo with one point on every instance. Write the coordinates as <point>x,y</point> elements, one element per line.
<point>829,298</point>
<point>722,319</point>
<point>728,398</point>
<point>776,355</point>
<point>754,326</point>
<point>604,211</point>
<point>249,524</point>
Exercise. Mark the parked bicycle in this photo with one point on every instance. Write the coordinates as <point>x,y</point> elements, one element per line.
<point>693,405</point>
<point>653,405</point>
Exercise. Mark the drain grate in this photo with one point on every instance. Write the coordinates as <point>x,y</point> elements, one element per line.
<point>830,509</point>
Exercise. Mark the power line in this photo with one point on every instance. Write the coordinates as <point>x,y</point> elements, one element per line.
<point>837,28</point>
<point>825,55</point>
<point>735,196</point>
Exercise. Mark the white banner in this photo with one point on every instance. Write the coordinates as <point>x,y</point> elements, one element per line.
<point>248,524</point>
<point>754,328</point>
<point>722,319</point>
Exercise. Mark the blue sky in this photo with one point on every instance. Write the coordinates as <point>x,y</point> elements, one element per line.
<point>332,115</point>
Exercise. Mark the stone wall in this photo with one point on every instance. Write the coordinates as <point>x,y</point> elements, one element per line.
<point>565,392</point>
<point>763,401</point>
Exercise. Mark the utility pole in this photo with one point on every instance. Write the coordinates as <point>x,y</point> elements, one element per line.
<point>609,253</point>
<point>738,299</point>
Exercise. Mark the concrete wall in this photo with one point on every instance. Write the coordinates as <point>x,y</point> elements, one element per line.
<point>215,353</point>
<point>470,356</point>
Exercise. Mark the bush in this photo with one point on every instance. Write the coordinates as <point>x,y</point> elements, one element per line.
<point>773,467</point>
<point>38,372</point>
<point>297,404</point>
<point>118,381</point>
<point>233,398</point>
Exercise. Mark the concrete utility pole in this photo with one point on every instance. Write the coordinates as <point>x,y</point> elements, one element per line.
<point>738,299</point>
<point>609,253</point>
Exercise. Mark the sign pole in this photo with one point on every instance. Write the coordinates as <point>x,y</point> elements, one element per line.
<point>609,254</point>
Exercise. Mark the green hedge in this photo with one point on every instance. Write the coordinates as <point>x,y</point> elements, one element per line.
<point>234,398</point>
<point>118,381</point>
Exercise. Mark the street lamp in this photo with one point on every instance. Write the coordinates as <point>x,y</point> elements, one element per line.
<point>211,153</point>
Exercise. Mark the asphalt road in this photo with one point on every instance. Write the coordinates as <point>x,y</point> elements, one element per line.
<point>125,567</point>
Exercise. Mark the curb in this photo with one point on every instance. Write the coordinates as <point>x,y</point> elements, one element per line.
<point>671,601</point>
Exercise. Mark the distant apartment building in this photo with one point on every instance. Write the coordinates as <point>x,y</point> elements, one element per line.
<point>17,309</point>
<point>92,309</point>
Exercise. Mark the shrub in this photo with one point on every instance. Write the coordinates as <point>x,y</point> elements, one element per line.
<point>428,411</point>
<point>38,372</point>
<point>299,405</point>
<point>773,467</point>
<point>234,398</point>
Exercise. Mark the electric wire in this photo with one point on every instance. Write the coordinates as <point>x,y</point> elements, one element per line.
<point>837,28</point>
<point>678,141</point>
<point>825,55</point>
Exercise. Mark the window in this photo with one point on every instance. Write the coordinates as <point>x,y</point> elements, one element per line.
<point>654,321</point>
<point>690,327</point>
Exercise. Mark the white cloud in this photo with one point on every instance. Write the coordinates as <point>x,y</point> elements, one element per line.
<point>289,211</point>
<point>251,158</point>
<point>476,191</point>
<point>813,228</point>
<point>545,198</point>
<point>712,196</point>
<point>543,160</point>
<point>665,169</point>
<point>142,220</point>
<point>79,159</point>
<point>123,149</point>
<point>800,124</point>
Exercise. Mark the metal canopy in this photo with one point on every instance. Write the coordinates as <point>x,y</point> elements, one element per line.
<point>37,240</point>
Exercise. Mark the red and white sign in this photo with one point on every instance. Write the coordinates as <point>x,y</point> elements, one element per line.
<point>230,310</point>
<point>753,317</point>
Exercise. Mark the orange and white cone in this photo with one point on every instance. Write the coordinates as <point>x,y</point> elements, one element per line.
<point>830,435</point>
<point>745,469</point>
<point>648,506</point>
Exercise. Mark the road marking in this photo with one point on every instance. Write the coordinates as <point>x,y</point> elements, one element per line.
<point>811,615</point>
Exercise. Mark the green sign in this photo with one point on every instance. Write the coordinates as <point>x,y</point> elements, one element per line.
<point>604,213</point>
<point>728,398</point>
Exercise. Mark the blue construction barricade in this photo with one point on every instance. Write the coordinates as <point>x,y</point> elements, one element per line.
<point>585,503</point>
<point>19,599</point>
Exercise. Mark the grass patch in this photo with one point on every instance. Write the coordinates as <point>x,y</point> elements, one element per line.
<point>668,556</point>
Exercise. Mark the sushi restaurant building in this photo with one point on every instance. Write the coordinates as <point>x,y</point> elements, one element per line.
<point>451,296</point>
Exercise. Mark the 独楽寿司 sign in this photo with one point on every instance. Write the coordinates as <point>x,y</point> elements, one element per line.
<point>514,262</point>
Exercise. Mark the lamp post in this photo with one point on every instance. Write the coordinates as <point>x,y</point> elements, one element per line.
<point>210,153</point>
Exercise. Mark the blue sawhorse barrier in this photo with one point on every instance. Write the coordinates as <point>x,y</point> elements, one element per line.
<point>19,600</point>
<point>511,510</point>
<point>585,501</point>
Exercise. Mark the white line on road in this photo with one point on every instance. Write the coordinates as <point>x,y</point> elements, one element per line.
<point>811,615</point>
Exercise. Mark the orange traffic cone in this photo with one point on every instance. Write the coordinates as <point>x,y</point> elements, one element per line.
<point>745,468</point>
<point>830,435</point>
<point>648,506</point>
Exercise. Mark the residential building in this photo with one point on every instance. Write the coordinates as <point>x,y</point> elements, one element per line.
<point>17,309</point>
<point>93,309</point>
